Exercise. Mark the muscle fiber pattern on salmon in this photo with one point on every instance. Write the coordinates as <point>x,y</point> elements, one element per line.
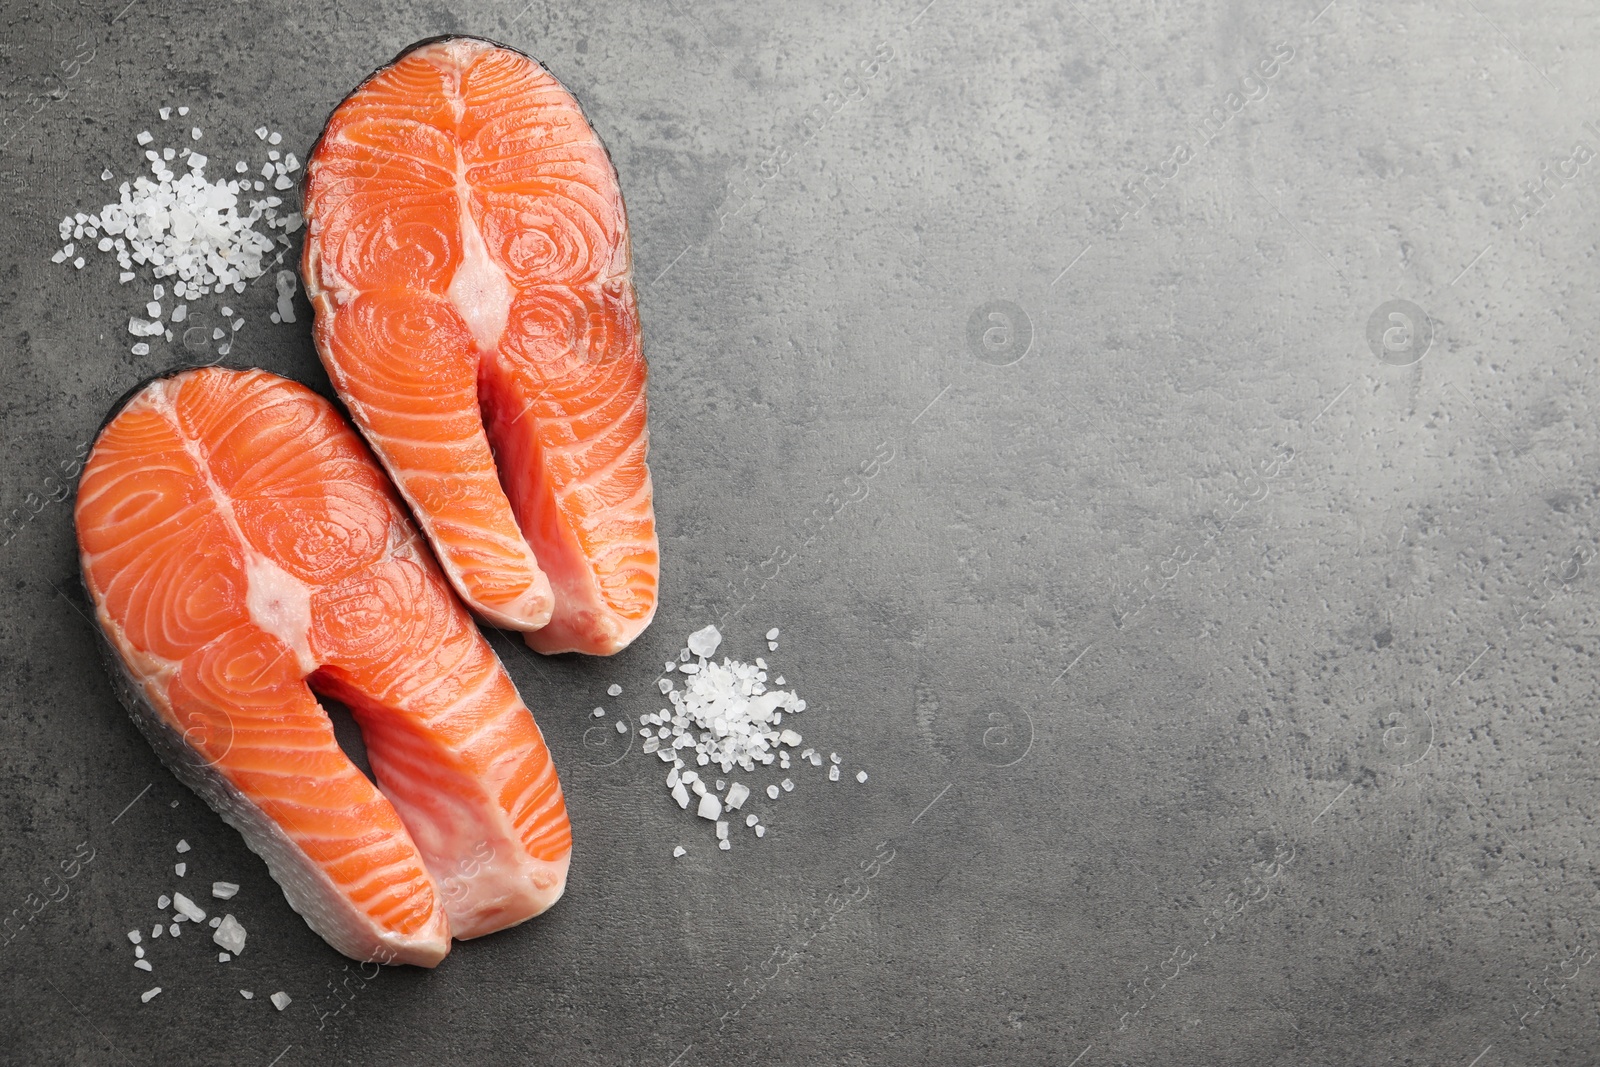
<point>241,549</point>
<point>467,258</point>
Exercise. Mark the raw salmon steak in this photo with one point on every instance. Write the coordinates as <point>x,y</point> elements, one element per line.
<point>467,258</point>
<point>241,549</point>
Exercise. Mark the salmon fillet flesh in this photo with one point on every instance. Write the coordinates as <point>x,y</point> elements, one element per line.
<point>242,550</point>
<point>467,258</point>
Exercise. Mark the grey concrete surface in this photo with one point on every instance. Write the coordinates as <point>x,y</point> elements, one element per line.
<point>1219,646</point>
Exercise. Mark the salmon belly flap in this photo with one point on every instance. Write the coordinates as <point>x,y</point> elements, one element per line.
<point>467,259</point>
<point>242,551</point>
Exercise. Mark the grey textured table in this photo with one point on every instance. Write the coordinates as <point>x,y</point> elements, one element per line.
<point>1214,615</point>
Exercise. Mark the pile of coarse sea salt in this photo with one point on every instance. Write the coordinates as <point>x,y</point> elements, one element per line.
<point>724,718</point>
<point>228,934</point>
<point>199,234</point>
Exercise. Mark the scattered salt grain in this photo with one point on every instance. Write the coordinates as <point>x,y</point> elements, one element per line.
<point>105,175</point>
<point>275,138</point>
<point>679,852</point>
<point>788,785</point>
<point>598,712</point>
<point>150,994</point>
<point>833,773</point>
<point>665,685</point>
<point>724,844</point>
<point>223,957</point>
<point>246,994</point>
<point>772,792</point>
<point>789,737</point>
<point>622,727</point>
<point>162,901</point>
<point>138,950</point>
<point>261,132</point>
<point>738,793</point>
<point>192,911</point>
<point>681,795</point>
<point>180,869</point>
<point>78,263</point>
<point>143,965</point>
<point>704,642</point>
<point>710,807</point>
<point>761,831</point>
<point>722,829</point>
<point>280,999</point>
<point>140,349</point>
<point>752,819</point>
<point>125,277</point>
<point>833,757</point>
<point>135,936</point>
<point>230,936</point>
<point>145,137</point>
<point>778,680</point>
<point>216,921</point>
<point>614,690</point>
<point>861,776</point>
<point>772,634</point>
<point>155,931</point>
<point>175,930</point>
<point>772,646</point>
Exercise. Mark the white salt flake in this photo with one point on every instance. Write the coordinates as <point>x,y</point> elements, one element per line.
<point>772,792</point>
<point>738,793</point>
<point>789,737</point>
<point>280,999</point>
<point>614,690</point>
<point>214,922</point>
<point>704,642</point>
<point>788,785</point>
<point>722,829</point>
<point>598,712</point>
<point>861,776</point>
<point>261,132</point>
<point>681,795</point>
<point>156,931</point>
<point>183,111</point>
<point>833,773</point>
<point>192,911</point>
<point>724,844</point>
<point>246,994</point>
<point>622,727</point>
<point>230,936</point>
<point>772,646</point>
<point>153,309</point>
<point>150,994</point>
<point>125,277</point>
<point>752,819</point>
<point>105,175</point>
<point>162,901</point>
<point>665,685</point>
<point>223,957</point>
<point>175,930</point>
<point>679,852</point>
<point>135,936</point>
<point>710,807</point>
<point>761,831</point>
<point>833,757</point>
<point>145,137</point>
<point>180,869</point>
<point>772,634</point>
<point>224,890</point>
<point>138,950</point>
<point>143,965</point>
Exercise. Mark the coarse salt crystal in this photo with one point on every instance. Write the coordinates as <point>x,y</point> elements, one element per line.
<point>614,690</point>
<point>861,776</point>
<point>772,646</point>
<point>135,936</point>
<point>772,792</point>
<point>224,890</point>
<point>722,829</point>
<point>230,936</point>
<point>789,737</point>
<point>175,930</point>
<point>183,110</point>
<point>150,994</point>
<point>681,795</point>
<point>710,807</point>
<point>280,999</point>
<point>761,831</point>
<point>261,132</point>
<point>833,773</point>
<point>598,712</point>
<point>138,950</point>
<point>180,869</point>
<point>772,634</point>
<point>189,908</point>
<point>704,642</point>
<point>788,785</point>
<point>215,921</point>
<point>223,957</point>
<point>275,138</point>
<point>156,931</point>
<point>622,727</point>
<point>833,757</point>
<point>752,819</point>
<point>724,844</point>
<point>665,685</point>
<point>679,852</point>
<point>738,793</point>
<point>143,965</point>
<point>162,901</point>
<point>145,137</point>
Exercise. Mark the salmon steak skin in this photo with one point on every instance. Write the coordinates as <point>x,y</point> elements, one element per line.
<point>468,264</point>
<point>242,551</point>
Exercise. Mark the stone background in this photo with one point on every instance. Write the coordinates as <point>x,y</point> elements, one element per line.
<point>1223,674</point>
